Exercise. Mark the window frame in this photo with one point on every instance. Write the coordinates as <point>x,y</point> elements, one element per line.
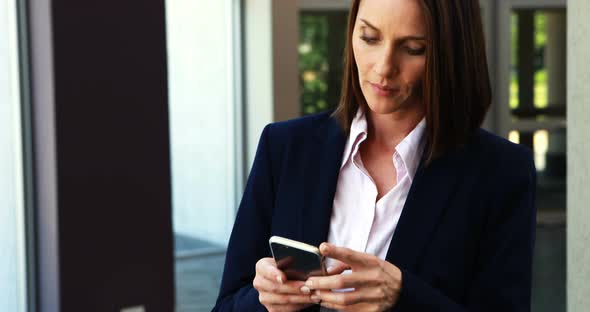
<point>324,5</point>
<point>505,122</point>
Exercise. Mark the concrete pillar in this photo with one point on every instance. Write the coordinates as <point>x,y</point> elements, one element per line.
<point>578,154</point>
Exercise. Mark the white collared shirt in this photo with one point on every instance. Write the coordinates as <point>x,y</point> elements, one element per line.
<point>358,221</point>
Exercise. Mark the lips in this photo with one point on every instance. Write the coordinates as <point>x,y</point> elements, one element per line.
<point>384,90</point>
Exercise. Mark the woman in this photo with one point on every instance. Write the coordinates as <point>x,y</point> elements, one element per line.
<point>425,211</point>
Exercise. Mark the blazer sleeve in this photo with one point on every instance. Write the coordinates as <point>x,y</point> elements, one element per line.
<point>504,271</point>
<point>249,238</point>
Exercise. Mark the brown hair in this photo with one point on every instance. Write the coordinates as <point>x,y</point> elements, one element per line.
<point>456,89</point>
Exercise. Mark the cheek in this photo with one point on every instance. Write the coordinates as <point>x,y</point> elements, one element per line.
<point>411,76</point>
<point>362,59</point>
<point>413,70</point>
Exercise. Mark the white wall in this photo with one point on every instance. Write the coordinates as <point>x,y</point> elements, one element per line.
<point>12,261</point>
<point>578,156</point>
<point>202,119</point>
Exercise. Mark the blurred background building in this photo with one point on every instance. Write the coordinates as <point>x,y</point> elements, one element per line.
<point>230,68</point>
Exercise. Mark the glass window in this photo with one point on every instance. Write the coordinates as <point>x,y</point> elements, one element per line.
<point>12,237</point>
<point>538,96</point>
<point>205,143</point>
<point>322,37</point>
<point>538,62</point>
<point>536,107</point>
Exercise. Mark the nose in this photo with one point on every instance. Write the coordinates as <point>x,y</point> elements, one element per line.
<point>387,65</point>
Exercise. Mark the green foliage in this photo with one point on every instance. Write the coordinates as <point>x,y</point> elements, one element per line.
<point>540,72</point>
<point>313,62</point>
<point>540,30</point>
<point>321,45</point>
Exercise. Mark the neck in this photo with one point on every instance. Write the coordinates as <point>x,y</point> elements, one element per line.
<point>388,130</point>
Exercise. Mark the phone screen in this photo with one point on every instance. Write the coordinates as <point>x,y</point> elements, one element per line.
<point>297,264</point>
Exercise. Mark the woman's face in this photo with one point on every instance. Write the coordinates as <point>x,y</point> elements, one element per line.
<point>389,44</point>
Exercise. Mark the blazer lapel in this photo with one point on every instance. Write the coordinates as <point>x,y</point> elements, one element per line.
<point>425,204</point>
<point>321,176</point>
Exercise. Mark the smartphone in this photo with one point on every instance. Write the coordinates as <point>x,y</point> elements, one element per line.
<point>296,259</point>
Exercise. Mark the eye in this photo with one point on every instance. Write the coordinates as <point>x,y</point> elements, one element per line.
<point>415,51</point>
<point>369,40</point>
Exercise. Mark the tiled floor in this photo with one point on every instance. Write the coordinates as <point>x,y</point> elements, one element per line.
<point>198,279</point>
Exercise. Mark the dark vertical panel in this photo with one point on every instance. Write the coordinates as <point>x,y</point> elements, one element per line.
<point>114,196</point>
<point>526,55</point>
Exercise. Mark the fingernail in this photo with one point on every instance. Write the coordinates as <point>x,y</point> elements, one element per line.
<point>305,290</point>
<point>315,298</point>
<point>279,279</point>
<point>324,247</point>
<point>330,268</point>
<point>309,283</point>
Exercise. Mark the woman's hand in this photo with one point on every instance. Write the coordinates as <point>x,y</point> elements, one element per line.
<point>276,293</point>
<point>377,283</point>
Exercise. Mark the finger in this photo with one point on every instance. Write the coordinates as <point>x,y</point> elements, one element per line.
<point>267,267</point>
<point>353,308</point>
<point>353,280</point>
<point>268,298</point>
<point>289,287</point>
<point>347,255</point>
<point>338,267</point>
<point>362,295</point>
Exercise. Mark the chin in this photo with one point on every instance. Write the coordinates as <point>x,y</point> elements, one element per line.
<point>379,109</point>
<point>388,105</point>
<point>384,106</point>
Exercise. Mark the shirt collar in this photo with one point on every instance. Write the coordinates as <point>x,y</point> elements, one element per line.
<point>358,133</point>
<point>409,149</point>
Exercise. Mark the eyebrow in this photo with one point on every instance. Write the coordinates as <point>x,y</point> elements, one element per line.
<point>401,39</point>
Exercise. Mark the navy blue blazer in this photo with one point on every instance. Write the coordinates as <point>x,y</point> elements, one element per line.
<point>464,241</point>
